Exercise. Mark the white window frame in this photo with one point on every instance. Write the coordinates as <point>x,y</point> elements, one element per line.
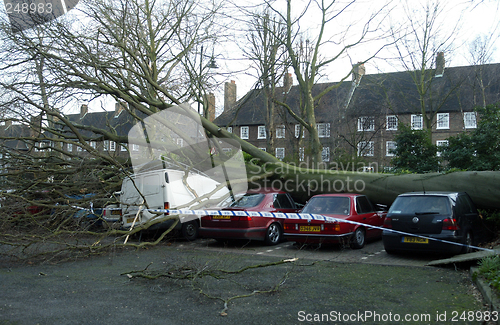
<point>391,125</point>
<point>135,147</point>
<point>244,132</point>
<point>366,149</point>
<point>123,148</point>
<point>263,149</point>
<point>261,132</point>
<point>230,129</point>
<point>470,120</point>
<point>280,132</point>
<point>440,143</point>
<point>323,130</point>
<point>362,123</point>
<point>417,125</point>
<point>388,146</point>
<point>442,121</point>
<point>301,153</point>
<point>280,153</point>
<point>80,149</point>
<point>297,131</point>
<point>112,146</point>
<point>180,142</point>
<point>69,147</point>
<point>105,145</point>
<point>93,144</point>
<point>325,154</point>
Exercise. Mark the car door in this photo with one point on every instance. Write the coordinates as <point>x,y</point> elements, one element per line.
<point>282,202</point>
<point>367,215</point>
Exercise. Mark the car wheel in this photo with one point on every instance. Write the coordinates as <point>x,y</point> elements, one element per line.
<point>273,234</point>
<point>190,230</point>
<point>468,243</point>
<point>358,238</point>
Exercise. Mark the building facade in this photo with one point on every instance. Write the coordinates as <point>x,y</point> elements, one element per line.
<point>360,118</point>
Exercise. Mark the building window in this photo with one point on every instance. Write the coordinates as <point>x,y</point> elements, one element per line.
<point>79,148</point>
<point>440,143</point>
<point>297,130</point>
<point>325,154</point>
<point>366,123</point>
<point>280,153</point>
<point>180,142</point>
<point>390,146</point>
<point>244,132</point>
<point>443,121</point>
<point>135,147</point>
<point>70,147</point>
<point>230,129</point>
<point>263,149</point>
<point>323,130</point>
<point>280,132</point>
<point>391,122</point>
<point>93,144</point>
<point>366,149</point>
<point>301,154</point>
<point>417,122</point>
<point>106,145</point>
<point>123,147</point>
<point>261,134</point>
<point>112,146</point>
<point>470,121</point>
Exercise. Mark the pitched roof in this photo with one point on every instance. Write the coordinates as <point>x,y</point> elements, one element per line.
<point>385,93</point>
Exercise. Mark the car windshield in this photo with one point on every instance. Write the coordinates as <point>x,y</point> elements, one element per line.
<point>421,205</point>
<point>248,200</point>
<point>328,205</point>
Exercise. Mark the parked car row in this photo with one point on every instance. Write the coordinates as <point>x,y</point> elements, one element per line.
<point>439,222</point>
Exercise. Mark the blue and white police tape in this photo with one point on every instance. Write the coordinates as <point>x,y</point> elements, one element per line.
<point>297,216</point>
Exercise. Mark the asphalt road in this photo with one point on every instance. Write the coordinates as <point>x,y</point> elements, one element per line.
<point>329,285</point>
<point>372,253</point>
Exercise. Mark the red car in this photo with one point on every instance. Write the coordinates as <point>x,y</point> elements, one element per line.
<point>255,227</point>
<point>349,207</point>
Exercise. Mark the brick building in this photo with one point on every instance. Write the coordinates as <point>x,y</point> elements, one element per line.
<point>361,117</point>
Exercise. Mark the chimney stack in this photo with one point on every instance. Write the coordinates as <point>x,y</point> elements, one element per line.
<point>84,109</point>
<point>229,94</point>
<point>358,71</point>
<point>287,82</point>
<point>440,62</point>
<point>210,100</point>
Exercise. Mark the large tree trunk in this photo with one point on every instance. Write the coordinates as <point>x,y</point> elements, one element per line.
<point>482,186</point>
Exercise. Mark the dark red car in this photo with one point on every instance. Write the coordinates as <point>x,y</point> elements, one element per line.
<point>255,227</point>
<point>349,207</point>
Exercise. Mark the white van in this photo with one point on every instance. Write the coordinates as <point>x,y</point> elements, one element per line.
<point>165,189</point>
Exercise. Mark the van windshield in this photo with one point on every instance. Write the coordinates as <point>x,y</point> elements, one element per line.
<point>248,200</point>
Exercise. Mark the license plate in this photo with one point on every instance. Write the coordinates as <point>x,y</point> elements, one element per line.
<point>130,220</point>
<point>415,240</point>
<point>310,228</point>
<point>221,217</point>
<point>116,212</point>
